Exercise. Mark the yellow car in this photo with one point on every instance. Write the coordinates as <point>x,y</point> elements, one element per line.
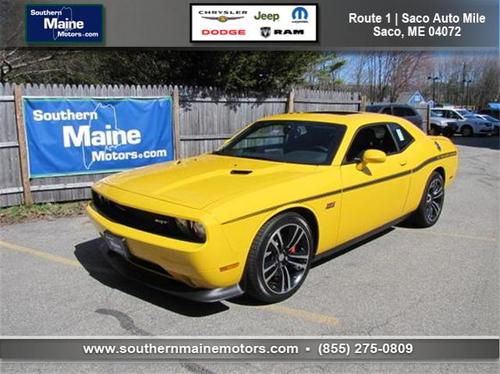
<point>283,192</point>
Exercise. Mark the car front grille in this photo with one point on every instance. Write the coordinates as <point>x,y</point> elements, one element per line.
<point>138,219</point>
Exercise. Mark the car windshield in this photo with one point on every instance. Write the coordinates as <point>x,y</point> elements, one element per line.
<point>300,142</point>
<point>464,113</point>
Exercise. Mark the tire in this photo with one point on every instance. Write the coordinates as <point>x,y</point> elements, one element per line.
<point>447,132</point>
<point>279,259</point>
<point>434,130</point>
<point>431,204</point>
<point>467,131</point>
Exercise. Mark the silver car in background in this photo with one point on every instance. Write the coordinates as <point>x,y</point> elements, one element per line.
<point>494,121</point>
<point>440,125</point>
<point>468,124</point>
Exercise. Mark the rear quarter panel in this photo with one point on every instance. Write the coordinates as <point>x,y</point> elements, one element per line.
<point>428,154</point>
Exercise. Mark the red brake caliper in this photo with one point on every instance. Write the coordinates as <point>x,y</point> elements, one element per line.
<point>292,250</point>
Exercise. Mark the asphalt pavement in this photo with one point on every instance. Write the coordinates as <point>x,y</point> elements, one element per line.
<point>442,281</point>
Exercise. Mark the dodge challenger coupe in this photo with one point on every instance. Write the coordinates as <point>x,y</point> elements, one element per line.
<point>286,190</point>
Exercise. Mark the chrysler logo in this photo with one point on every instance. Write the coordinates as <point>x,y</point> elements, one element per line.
<point>222,18</point>
<point>265,31</point>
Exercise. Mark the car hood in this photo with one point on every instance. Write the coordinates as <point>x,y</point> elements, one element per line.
<point>200,181</point>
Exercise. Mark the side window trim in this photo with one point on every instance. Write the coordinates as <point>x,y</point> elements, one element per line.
<point>398,149</point>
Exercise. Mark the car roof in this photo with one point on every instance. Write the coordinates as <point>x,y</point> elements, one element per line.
<point>390,104</point>
<point>351,119</point>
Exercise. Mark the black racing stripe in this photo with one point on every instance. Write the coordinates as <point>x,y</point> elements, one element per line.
<point>331,193</point>
<point>432,159</point>
<point>347,189</point>
<point>380,180</point>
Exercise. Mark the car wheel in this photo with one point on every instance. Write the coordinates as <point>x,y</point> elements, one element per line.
<point>448,132</point>
<point>431,205</point>
<point>467,131</point>
<point>279,259</point>
<point>434,130</point>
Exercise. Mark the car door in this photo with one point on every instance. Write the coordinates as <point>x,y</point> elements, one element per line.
<point>376,195</point>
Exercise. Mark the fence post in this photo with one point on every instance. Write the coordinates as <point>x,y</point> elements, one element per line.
<point>290,101</point>
<point>427,124</point>
<point>176,123</point>
<point>362,104</point>
<point>21,138</point>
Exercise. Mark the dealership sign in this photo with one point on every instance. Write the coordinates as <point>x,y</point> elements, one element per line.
<point>86,135</point>
<point>64,23</point>
<point>254,23</point>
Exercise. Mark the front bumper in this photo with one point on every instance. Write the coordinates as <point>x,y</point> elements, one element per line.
<point>135,269</point>
<point>209,265</point>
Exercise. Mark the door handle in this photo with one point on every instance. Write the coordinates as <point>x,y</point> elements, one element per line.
<point>403,163</point>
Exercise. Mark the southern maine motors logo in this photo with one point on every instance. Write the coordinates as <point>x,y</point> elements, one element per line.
<point>64,23</point>
<point>85,135</point>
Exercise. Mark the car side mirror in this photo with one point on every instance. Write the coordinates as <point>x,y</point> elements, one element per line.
<point>371,156</point>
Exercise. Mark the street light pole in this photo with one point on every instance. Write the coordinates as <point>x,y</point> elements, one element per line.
<point>434,79</point>
<point>467,83</point>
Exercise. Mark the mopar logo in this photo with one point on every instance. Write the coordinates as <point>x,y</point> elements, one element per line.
<point>300,14</point>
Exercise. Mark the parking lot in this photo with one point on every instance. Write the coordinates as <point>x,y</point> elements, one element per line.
<point>439,281</point>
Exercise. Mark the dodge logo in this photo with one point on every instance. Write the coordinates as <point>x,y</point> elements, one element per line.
<point>265,31</point>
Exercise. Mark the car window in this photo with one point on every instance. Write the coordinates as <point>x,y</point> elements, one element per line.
<point>402,137</point>
<point>371,137</point>
<point>436,113</point>
<point>300,142</point>
<point>387,110</point>
<point>451,114</point>
<point>373,108</point>
<point>402,111</point>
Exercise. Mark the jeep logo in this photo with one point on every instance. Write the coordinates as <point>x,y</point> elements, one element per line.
<point>267,17</point>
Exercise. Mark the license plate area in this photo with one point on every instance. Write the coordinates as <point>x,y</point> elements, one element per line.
<point>116,243</point>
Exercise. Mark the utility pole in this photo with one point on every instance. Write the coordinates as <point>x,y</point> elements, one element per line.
<point>434,79</point>
<point>467,83</point>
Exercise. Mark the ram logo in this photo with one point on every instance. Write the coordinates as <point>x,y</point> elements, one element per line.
<point>265,31</point>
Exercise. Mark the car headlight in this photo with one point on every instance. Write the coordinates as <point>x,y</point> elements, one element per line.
<point>191,229</point>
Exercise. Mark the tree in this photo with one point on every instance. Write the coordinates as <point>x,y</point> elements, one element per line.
<point>258,71</point>
<point>464,78</point>
<point>382,76</point>
<point>324,73</point>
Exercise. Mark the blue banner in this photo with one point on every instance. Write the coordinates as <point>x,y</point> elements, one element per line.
<point>87,136</point>
<point>76,23</point>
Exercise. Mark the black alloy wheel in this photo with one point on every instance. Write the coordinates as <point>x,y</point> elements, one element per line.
<point>279,259</point>
<point>432,202</point>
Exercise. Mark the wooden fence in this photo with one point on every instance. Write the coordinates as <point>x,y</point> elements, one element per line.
<point>203,119</point>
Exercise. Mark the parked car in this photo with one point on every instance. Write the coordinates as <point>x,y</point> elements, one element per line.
<point>398,110</point>
<point>494,121</point>
<point>440,125</point>
<point>252,216</point>
<point>495,113</point>
<point>468,125</point>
